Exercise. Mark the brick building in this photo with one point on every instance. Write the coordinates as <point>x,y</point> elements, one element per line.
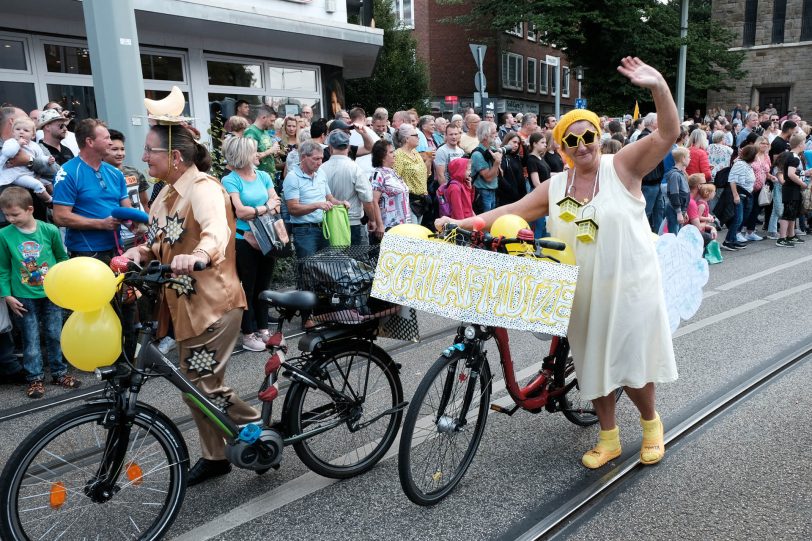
<point>776,37</point>
<point>517,78</point>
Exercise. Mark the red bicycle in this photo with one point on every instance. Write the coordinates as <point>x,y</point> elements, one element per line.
<point>446,418</point>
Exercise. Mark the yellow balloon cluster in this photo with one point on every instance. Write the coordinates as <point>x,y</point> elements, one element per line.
<point>508,226</point>
<point>566,256</point>
<point>91,336</point>
<point>414,231</point>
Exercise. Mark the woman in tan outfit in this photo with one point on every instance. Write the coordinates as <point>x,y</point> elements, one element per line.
<point>192,221</point>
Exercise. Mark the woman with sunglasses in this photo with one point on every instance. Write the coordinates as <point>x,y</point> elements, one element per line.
<point>619,331</point>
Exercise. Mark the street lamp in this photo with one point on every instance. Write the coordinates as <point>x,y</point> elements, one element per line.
<point>579,76</point>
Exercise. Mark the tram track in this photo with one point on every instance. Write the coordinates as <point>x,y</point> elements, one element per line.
<point>554,520</point>
<point>95,391</point>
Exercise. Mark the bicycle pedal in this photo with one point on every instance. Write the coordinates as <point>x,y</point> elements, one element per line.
<point>507,411</point>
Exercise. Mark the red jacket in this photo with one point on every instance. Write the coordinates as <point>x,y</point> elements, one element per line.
<point>699,163</point>
<point>459,192</point>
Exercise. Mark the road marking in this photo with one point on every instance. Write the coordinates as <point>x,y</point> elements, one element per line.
<point>310,482</point>
<point>762,274</point>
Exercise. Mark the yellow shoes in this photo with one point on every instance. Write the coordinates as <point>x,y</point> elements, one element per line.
<point>653,448</point>
<point>608,447</point>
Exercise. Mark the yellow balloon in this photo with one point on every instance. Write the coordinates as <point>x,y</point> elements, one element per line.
<point>508,226</point>
<point>414,231</point>
<point>92,339</point>
<point>566,256</point>
<point>81,284</point>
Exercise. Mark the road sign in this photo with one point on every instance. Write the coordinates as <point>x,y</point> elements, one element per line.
<point>580,103</point>
<point>479,81</point>
<point>479,53</point>
<point>478,97</point>
<point>551,60</point>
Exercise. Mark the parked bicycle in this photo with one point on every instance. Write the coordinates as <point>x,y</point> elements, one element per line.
<point>116,467</point>
<point>446,419</point>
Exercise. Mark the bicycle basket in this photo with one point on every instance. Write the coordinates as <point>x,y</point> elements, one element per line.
<point>341,278</point>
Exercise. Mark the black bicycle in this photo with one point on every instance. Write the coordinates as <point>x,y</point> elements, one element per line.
<point>116,468</point>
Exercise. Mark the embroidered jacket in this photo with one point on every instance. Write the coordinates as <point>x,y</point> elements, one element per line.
<point>195,214</point>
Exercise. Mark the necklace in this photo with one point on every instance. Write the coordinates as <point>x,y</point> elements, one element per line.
<point>572,185</point>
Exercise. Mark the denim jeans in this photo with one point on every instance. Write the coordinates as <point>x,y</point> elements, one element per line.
<point>358,235</point>
<point>308,239</point>
<point>736,221</point>
<point>41,310</point>
<point>487,199</point>
<point>655,205</point>
<point>540,227</point>
<point>751,212</point>
<point>671,218</point>
<point>778,209</point>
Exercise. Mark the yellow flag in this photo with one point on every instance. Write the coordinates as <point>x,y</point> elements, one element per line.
<point>636,114</point>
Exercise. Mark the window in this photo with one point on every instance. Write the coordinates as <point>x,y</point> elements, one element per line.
<point>544,77</point>
<point>21,95</point>
<point>161,67</point>
<point>531,32</point>
<point>517,30</point>
<point>76,98</point>
<point>553,87</point>
<point>404,11</point>
<point>750,16</point>
<point>806,21</point>
<point>779,18</point>
<point>67,59</point>
<point>531,75</point>
<point>234,74</point>
<point>293,79</point>
<point>512,68</point>
<point>565,82</point>
<point>12,55</point>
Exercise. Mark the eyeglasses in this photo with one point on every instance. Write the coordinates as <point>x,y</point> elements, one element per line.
<point>102,184</point>
<point>414,135</point>
<point>587,138</point>
<point>150,150</point>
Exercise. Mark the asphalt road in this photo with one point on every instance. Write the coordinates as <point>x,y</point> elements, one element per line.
<point>757,305</point>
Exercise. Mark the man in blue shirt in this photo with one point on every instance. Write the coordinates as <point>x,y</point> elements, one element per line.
<point>308,195</point>
<point>86,190</point>
<point>485,164</point>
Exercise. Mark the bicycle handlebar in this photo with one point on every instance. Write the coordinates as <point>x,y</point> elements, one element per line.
<point>489,241</point>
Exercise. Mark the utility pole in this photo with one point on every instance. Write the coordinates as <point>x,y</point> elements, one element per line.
<point>683,59</point>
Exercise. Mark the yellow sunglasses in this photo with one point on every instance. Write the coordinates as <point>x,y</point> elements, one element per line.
<point>587,138</point>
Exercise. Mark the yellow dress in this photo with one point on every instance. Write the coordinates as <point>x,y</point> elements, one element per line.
<point>619,332</point>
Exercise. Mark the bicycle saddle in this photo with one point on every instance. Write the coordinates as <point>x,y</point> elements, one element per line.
<point>295,300</point>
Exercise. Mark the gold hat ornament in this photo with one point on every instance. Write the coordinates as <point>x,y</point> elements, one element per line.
<point>168,110</point>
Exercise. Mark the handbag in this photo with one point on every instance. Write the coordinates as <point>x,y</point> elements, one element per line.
<point>419,204</point>
<point>336,226</point>
<point>271,235</point>
<point>766,196</point>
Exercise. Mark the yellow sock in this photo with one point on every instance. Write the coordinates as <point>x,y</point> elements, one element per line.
<point>608,447</point>
<point>653,447</point>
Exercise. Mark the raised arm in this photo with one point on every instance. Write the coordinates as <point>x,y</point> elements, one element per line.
<point>640,157</point>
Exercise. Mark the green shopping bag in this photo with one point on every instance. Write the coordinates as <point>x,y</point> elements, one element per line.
<point>713,253</point>
<point>336,226</point>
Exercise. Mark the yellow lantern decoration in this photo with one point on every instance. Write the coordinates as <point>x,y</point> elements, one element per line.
<point>586,228</point>
<point>568,208</point>
<point>92,339</point>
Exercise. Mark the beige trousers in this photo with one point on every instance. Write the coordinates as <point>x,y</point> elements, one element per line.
<point>203,360</point>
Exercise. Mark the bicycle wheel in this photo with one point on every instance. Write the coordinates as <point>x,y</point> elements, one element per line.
<point>363,427</point>
<point>45,490</point>
<point>575,409</point>
<point>436,445</point>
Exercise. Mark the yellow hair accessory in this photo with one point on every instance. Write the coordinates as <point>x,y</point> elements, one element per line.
<point>576,115</point>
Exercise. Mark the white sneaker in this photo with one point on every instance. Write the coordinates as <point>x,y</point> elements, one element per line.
<point>753,236</point>
<point>166,344</point>
<point>772,236</point>
<point>740,238</point>
<point>800,232</point>
<point>252,342</point>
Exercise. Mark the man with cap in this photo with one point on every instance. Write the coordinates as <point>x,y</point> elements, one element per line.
<point>355,151</point>
<point>54,126</point>
<point>348,182</point>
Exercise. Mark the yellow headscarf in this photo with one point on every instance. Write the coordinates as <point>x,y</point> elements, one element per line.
<point>568,120</point>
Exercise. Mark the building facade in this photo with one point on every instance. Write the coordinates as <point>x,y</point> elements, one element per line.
<point>517,77</point>
<point>284,53</point>
<point>776,37</point>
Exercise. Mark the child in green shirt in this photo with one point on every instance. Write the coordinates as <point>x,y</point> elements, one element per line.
<point>28,249</point>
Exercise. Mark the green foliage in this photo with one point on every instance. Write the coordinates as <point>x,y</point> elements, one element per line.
<point>400,79</point>
<point>218,161</point>
<point>596,34</point>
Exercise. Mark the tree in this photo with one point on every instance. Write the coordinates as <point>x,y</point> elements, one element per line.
<point>596,34</point>
<point>400,79</point>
